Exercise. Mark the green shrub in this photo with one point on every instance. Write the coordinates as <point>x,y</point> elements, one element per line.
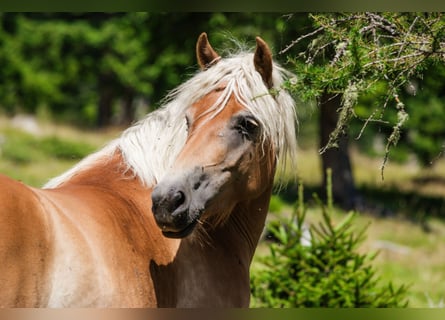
<point>327,273</point>
<point>275,204</point>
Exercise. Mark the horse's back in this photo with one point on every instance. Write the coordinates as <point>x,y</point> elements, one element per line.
<point>25,251</point>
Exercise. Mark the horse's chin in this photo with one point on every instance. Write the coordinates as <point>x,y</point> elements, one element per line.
<point>182,233</point>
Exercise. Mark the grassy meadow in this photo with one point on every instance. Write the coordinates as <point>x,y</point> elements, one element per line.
<point>406,226</point>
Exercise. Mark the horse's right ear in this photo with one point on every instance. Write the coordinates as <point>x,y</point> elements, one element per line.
<point>204,52</point>
<point>263,61</point>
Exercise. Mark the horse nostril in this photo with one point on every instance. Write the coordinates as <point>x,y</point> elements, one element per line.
<point>177,200</point>
<point>166,202</point>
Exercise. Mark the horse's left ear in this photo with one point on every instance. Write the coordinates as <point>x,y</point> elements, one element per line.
<point>263,61</point>
<point>204,52</point>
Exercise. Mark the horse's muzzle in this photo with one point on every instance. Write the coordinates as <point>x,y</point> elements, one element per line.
<point>170,207</point>
<point>179,200</point>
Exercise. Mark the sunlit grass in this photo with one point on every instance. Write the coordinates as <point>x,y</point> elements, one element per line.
<point>34,158</point>
<point>410,255</point>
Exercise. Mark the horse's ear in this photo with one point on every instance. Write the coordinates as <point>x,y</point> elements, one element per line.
<point>263,61</point>
<point>204,52</point>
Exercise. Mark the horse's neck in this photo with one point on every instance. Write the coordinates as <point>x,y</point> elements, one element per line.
<point>245,226</point>
<point>221,263</point>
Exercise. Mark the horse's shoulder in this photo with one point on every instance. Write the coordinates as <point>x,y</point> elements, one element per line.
<point>15,193</point>
<point>25,248</point>
<point>20,207</point>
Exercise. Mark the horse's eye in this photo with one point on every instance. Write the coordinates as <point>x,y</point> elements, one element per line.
<point>247,127</point>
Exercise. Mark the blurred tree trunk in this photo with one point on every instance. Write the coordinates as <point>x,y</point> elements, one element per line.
<point>127,104</point>
<point>105,101</point>
<point>343,186</point>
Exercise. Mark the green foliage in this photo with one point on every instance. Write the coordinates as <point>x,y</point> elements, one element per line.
<point>276,204</point>
<point>65,60</point>
<point>72,61</point>
<point>330,272</point>
<point>423,130</point>
<point>355,52</point>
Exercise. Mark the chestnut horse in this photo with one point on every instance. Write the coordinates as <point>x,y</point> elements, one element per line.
<point>167,215</point>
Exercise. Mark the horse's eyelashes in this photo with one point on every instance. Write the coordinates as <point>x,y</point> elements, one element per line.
<point>187,122</point>
<point>219,89</point>
<point>252,122</point>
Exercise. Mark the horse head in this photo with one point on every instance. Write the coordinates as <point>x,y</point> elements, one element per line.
<point>229,156</point>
